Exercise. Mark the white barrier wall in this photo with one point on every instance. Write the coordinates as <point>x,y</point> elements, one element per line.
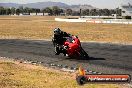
<point>69,20</point>
<point>108,21</point>
<point>33,14</point>
<point>38,14</point>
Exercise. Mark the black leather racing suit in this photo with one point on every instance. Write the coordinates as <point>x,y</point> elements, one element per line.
<point>59,40</point>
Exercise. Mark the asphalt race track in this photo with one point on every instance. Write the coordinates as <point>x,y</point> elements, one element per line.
<point>104,58</point>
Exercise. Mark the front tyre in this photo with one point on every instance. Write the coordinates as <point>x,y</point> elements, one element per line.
<point>57,50</point>
<point>81,80</point>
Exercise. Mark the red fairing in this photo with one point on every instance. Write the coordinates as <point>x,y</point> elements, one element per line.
<point>77,41</point>
<point>73,46</point>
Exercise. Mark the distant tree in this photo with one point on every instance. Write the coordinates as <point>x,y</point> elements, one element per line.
<point>37,11</point>
<point>2,11</point>
<point>68,11</point>
<point>33,10</point>
<point>100,12</point>
<point>18,11</point>
<point>106,12</point>
<point>13,10</point>
<point>61,11</point>
<point>85,12</point>
<point>27,10</point>
<point>47,10</point>
<point>21,9</point>
<point>56,10</point>
<point>93,12</point>
<point>112,11</point>
<point>8,11</point>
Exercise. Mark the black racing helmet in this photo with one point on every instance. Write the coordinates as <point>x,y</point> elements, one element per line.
<point>57,31</point>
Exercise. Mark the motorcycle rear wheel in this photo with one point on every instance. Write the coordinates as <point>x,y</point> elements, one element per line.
<point>83,54</point>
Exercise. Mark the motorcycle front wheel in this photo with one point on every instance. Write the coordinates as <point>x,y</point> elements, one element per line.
<point>57,50</point>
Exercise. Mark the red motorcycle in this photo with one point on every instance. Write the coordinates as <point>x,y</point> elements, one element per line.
<point>72,48</point>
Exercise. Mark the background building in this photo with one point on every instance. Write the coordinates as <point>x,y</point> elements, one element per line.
<point>126,11</point>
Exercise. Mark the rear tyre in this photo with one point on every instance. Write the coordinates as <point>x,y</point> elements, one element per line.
<point>83,54</point>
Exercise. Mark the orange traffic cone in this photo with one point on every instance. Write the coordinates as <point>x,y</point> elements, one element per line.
<point>81,71</point>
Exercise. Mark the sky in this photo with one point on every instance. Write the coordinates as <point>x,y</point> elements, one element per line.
<point>95,3</point>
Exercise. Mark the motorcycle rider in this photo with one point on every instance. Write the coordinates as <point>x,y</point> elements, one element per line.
<point>58,40</point>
